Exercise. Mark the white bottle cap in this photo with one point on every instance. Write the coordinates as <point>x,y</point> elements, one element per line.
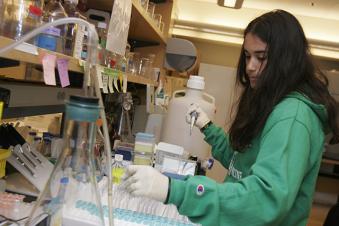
<point>196,82</point>
<point>102,25</point>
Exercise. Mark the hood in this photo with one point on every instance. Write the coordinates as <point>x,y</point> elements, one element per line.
<point>318,109</point>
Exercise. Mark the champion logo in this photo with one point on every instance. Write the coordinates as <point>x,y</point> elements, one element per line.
<point>200,189</point>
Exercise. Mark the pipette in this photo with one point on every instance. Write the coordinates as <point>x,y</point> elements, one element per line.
<point>194,116</point>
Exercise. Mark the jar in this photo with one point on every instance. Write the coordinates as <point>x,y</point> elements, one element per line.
<point>18,17</point>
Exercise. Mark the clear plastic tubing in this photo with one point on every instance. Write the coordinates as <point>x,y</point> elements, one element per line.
<point>91,62</point>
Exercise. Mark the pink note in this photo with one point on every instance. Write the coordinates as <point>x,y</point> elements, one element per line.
<point>48,64</point>
<point>63,72</point>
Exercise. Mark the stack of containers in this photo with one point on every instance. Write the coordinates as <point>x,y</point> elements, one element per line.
<point>144,149</point>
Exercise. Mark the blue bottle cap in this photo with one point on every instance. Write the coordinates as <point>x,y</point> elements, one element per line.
<point>64,180</point>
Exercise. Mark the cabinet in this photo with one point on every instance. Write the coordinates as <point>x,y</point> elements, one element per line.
<point>29,96</point>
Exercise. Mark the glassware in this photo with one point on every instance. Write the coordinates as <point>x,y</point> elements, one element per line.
<point>71,9</point>
<point>102,33</point>
<point>144,4</point>
<point>18,17</point>
<point>53,38</point>
<point>151,9</point>
<point>125,125</point>
<point>118,169</point>
<point>157,19</point>
<point>76,163</point>
<point>144,66</point>
<point>162,26</point>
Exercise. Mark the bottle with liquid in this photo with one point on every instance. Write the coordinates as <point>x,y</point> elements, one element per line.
<point>76,162</point>
<point>102,33</point>
<point>53,38</point>
<point>18,17</point>
<point>118,169</point>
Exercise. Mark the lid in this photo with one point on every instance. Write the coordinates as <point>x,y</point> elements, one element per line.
<point>102,25</point>
<point>35,10</point>
<point>118,157</point>
<point>196,82</point>
<point>84,100</point>
<point>64,180</point>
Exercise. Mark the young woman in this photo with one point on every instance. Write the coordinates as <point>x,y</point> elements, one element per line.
<point>274,146</point>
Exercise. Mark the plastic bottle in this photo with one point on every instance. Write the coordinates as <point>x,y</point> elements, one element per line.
<point>102,33</point>
<point>176,130</point>
<point>53,37</point>
<point>117,169</point>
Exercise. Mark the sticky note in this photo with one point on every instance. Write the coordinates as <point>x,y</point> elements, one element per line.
<point>48,64</point>
<point>63,72</point>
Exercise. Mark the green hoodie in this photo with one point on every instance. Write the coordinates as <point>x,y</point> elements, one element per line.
<point>271,183</point>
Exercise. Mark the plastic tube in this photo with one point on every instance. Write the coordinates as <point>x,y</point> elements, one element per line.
<point>91,62</point>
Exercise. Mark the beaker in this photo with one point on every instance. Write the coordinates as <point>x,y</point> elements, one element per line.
<point>76,163</point>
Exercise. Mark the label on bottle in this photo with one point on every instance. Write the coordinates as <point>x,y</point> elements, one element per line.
<point>47,42</point>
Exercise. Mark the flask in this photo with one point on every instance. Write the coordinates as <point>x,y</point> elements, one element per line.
<point>76,162</point>
<point>176,130</point>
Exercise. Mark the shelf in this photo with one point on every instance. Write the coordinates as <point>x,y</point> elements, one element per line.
<point>73,64</point>
<point>141,80</point>
<point>142,27</point>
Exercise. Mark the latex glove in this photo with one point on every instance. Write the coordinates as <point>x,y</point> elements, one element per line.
<point>146,181</point>
<point>202,118</point>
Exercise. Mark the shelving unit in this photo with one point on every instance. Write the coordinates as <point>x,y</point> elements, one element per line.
<point>142,27</point>
<point>48,99</point>
<point>21,56</point>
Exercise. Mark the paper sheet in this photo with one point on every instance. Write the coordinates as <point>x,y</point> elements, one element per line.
<point>119,26</point>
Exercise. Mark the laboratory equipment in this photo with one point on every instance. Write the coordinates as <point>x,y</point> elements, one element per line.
<point>53,38</point>
<point>76,163</point>
<point>125,127</point>
<point>91,60</point>
<point>176,130</point>
<point>118,169</point>
<point>18,17</point>
<point>70,7</point>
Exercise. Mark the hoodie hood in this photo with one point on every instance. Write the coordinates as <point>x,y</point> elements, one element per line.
<point>318,109</point>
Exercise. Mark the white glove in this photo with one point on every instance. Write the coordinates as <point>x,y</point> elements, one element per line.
<point>202,118</point>
<point>146,181</point>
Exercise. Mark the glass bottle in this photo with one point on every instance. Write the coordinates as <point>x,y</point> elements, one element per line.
<point>18,17</point>
<point>82,205</point>
<point>102,33</point>
<point>118,169</point>
<point>70,7</point>
<point>53,38</point>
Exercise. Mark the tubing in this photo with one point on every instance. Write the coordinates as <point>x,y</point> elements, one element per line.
<point>90,64</point>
